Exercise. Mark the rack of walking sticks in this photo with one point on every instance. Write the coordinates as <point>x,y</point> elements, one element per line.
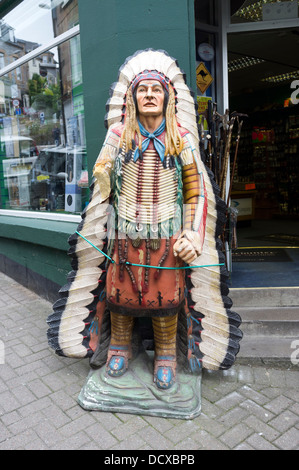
<point>216,152</point>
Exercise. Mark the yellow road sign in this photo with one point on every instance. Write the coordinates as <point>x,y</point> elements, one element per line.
<point>203,77</point>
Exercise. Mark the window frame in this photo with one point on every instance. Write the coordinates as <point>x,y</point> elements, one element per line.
<point>42,215</point>
<point>41,50</point>
<point>66,36</point>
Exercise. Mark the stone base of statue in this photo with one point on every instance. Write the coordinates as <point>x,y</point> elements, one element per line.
<point>135,392</point>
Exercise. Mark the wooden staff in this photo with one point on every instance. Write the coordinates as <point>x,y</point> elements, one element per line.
<point>218,146</point>
<point>240,123</point>
<point>226,154</point>
<point>223,120</point>
<point>201,143</point>
<point>211,137</point>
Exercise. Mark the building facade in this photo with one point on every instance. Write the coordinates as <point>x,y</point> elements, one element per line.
<point>57,62</point>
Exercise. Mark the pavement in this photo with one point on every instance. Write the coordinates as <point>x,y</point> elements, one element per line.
<point>252,406</point>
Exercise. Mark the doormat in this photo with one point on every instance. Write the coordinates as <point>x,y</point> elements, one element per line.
<point>290,240</point>
<point>262,255</point>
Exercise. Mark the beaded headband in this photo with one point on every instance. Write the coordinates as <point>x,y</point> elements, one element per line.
<point>150,75</point>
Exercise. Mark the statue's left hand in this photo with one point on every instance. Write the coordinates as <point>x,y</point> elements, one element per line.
<point>185,250</point>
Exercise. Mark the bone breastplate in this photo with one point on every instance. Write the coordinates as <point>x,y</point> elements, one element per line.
<point>148,197</point>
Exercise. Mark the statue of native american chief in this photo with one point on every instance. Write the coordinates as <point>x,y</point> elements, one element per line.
<point>149,242</point>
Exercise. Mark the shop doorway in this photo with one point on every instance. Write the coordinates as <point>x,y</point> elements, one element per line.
<point>263,78</point>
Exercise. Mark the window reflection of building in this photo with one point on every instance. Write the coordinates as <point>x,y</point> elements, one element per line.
<point>42,100</point>
<point>16,82</point>
<point>48,68</point>
<point>64,17</point>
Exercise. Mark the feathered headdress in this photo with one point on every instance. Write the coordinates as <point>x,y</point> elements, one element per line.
<point>80,321</point>
<point>160,61</point>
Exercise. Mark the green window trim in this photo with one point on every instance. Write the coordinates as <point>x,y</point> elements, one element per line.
<point>49,233</point>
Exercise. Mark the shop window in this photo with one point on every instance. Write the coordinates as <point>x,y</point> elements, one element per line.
<point>42,152</point>
<point>43,165</point>
<point>263,10</point>
<point>38,22</point>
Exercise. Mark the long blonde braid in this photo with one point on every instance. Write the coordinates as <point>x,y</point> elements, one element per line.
<point>131,127</point>
<point>173,139</point>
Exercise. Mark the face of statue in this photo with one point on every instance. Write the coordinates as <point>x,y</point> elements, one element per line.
<point>150,98</point>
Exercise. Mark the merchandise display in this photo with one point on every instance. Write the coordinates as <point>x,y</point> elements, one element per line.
<point>267,159</point>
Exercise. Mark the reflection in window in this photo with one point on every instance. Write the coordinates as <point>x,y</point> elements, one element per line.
<point>43,163</point>
<point>38,22</point>
<point>2,62</point>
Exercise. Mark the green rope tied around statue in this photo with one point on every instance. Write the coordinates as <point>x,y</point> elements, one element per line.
<point>148,266</point>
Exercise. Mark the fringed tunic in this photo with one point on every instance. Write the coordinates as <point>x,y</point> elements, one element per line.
<point>148,199</point>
